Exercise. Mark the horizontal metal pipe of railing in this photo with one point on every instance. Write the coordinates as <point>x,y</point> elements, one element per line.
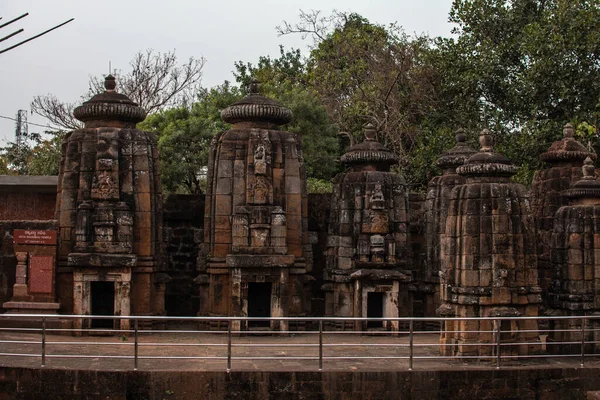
<point>495,343</point>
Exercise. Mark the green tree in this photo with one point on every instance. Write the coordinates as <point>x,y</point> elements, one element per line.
<point>184,135</point>
<point>34,156</point>
<point>285,79</point>
<point>532,64</point>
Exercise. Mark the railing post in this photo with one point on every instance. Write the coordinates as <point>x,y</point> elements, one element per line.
<point>43,341</point>
<point>229,346</point>
<point>498,333</point>
<point>135,344</point>
<point>320,345</point>
<point>583,320</point>
<point>410,347</point>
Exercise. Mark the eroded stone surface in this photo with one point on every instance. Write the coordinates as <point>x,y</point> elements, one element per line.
<point>575,285</point>
<point>109,208</point>
<point>256,249</point>
<point>563,162</point>
<point>368,229</point>
<point>489,260</point>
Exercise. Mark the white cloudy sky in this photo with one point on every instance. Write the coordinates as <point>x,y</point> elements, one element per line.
<point>223,31</point>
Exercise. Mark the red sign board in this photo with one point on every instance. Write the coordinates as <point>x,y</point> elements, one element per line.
<point>40,274</point>
<point>24,236</point>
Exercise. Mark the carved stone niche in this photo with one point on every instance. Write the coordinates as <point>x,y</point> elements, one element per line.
<point>259,229</point>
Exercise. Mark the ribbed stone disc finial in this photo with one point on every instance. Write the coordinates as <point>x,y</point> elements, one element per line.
<point>109,105</point>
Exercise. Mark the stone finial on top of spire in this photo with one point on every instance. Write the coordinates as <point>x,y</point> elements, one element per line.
<point>256,108</point>
<point>486,141</point>
<point>588,186</point>
<point>486,162</point>
<point>567,148</point>
<point>588,169</point>
<point>370,151</point>
<point>456,156</point>
<point>110,83</point>
<point>109,106</point>
<point>568,131</point>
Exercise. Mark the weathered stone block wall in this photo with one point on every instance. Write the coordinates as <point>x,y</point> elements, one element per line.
<point>8,260</point>
<point>318,223</point>
<point>26,206</point>
<point>183,218</point>
<point>517,383</point>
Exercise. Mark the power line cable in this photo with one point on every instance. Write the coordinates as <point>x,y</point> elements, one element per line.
<point>35,37</point>
<point>28,123</point>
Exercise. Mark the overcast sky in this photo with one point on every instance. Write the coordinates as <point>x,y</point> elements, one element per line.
<point>222,31</point>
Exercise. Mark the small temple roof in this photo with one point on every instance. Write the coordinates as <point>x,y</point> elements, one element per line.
<point>110,105</point>
<point>458,155</point>
<point>370,151</point>
<point>587,186</point>
<point>567,149</point>
<point>486,162</point>
<point>256,108</point>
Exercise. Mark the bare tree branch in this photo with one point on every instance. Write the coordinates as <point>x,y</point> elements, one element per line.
<point>156,81</point>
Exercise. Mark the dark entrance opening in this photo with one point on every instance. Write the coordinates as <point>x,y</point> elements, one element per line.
<point>375,309</point>
<point>103,303</point>
<point>259,303</point>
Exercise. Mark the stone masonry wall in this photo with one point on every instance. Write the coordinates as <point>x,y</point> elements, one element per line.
<point>26,205</point>
<point>183,218</point>
<point>514,383</point>
<point>318,223</point>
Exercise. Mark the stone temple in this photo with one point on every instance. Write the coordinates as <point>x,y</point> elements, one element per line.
<point>489,260</point>
<point>256,227</point>
<point>109,215</point>
<point>367,240</point>
<point>99,239</point>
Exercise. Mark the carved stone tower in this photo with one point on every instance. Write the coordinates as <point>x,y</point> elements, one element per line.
<point>256,227</point>
<point>489,261</point>
<point>575,287</point>
<point>437,203</point>
<point>367,238</point>
<point>109,209</point>
<point>563,162</point>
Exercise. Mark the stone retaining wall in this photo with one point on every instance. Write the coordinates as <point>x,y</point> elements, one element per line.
<point>524,383</point>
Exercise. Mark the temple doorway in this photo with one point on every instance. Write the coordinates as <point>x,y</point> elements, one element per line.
<point>375,309</point>
<point>103,303</point>
<point>259,303</point>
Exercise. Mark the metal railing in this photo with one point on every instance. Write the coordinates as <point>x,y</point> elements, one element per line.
<point>49,337</point>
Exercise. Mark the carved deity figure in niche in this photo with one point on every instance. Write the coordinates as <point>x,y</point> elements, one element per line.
<point>260,162</point>
<point>259,237</point>
<point>262,189</point>
<point>377,199</point>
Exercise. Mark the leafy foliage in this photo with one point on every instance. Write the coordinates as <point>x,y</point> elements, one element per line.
<point>184,135</point>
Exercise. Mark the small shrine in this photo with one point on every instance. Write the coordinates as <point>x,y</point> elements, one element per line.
<point>575,285</point>
<point>256,229</point>
<point>366,272</point>
<point>563,162</point>
<point>488,259</point>
<point>437,203</point>
<point>109,211</point>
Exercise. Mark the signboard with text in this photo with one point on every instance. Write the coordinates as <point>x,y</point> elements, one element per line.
<point>33,236</point>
